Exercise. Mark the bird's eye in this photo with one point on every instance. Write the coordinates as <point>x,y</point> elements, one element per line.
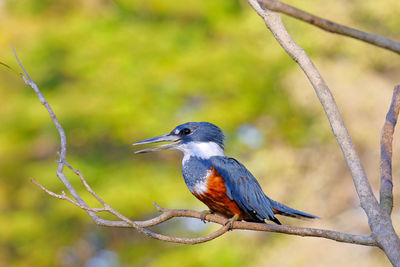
<point>186,131</point>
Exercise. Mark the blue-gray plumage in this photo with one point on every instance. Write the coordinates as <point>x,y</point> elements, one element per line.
<point>222,183</point>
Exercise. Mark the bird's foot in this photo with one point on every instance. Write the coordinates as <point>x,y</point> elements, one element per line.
<point>231,221</point>
<point>203,215</point>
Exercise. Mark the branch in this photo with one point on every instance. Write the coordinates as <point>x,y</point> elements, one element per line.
<point>386,190</point>
<point>333,27</point>
<point>168,214</point>
<point>274,23</point>
<point>63,140</point>
<point>379,222</point>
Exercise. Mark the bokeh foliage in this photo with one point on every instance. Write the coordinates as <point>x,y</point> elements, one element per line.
<point>119,71</point>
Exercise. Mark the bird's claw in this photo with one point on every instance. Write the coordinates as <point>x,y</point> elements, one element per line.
<point>231,221</point>
<point>203,215</point>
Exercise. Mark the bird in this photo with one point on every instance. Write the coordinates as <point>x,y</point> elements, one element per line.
<point>222,183</point>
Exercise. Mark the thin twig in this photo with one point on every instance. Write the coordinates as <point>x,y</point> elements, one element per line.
<point>333,27</point>
<point>63,140</point>
<point>386,190</point>
<point>65,197</point>
<point>84,182</point>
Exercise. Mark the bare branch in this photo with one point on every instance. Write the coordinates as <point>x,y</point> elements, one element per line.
<point>333,27</point>
<point>274,23</point>
<point>125,222</point>
<point>63,139</point>
<point>379,222</point>
<point>265,227</point>
<point>168,214</point>
<point>386,190</point>
<point>84,182</point>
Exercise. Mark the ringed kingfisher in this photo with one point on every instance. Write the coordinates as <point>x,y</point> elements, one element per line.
<point>220,182</point>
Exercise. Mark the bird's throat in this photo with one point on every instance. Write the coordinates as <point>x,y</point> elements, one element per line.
<point>201,150</point>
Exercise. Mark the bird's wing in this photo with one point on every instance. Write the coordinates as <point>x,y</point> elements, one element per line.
<point>243,188</point>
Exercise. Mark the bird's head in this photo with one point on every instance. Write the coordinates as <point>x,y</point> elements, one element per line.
<point>201,139</point>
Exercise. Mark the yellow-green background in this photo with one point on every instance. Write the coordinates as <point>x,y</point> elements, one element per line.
<point>116,72</point>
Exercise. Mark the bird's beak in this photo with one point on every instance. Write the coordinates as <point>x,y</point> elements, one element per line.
<point>162,138</point>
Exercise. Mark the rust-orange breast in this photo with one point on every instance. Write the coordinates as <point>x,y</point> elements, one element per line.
<point>216,198</point>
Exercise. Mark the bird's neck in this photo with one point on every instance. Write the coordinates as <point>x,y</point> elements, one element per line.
<point>202,150</point>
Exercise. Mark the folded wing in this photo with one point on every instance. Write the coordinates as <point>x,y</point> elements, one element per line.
<point>243,188</point>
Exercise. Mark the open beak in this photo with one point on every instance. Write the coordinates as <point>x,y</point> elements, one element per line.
<point>162,138</point>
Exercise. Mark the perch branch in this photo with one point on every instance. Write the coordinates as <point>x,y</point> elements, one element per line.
<point>386,190</point>
<point>333,27</point>
<point>167,214</point>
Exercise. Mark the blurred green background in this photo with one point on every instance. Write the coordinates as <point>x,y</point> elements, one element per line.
<point>116,72</point>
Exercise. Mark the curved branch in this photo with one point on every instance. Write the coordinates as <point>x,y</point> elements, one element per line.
<point>63,139</point>
<point>386,190</point>
<point>333,27</point>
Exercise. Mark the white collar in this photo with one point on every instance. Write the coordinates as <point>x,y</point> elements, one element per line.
<point>203,150</point>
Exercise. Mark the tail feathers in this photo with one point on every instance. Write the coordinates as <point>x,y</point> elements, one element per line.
<point>281,209</point>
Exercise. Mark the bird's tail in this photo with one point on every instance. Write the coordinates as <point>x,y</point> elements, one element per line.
<point>287,211</point>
